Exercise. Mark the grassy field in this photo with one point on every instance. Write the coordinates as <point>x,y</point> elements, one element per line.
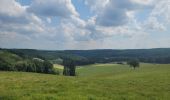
<point>58,66</point>
<point>94,82</point>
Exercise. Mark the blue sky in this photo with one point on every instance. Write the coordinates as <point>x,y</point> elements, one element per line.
<point>84,24</point>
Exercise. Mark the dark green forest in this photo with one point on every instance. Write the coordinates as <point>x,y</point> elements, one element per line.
<point>84,57</point>
<point>41,61</point>
<point>158,55</point>
<point>13,62</point>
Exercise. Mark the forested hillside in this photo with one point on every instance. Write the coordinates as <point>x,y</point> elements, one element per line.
<point>84,57</point>
<point>159,55</point>
<point>13,62</point>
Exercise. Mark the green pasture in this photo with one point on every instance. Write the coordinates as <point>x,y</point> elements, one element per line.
<point>93,82</point>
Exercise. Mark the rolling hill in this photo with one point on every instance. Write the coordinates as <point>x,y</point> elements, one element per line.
<point>84,57</point>
<point>94,82</point>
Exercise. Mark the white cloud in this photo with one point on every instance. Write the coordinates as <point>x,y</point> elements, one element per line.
<point>16,25</point>
<point>153,24</point>
<point>162,10</point>
<point>144,2</point>
<point>53,8</point>
<point>159,18</point>
<point>57,24</point>
<point>95,5</point>
<point>11,8</point>
<point>13,14</point>
<point>114,12</point>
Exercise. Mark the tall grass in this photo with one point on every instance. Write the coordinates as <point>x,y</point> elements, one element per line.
<point>94,82</point>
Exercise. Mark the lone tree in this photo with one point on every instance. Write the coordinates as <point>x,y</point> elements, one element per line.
<point>133,63</point>
<point>69,67</point>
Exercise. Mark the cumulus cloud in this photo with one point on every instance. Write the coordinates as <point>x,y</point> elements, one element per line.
<point>153,24</point>
<point>13,14</point>
<point>14,8</point>
<point>159,18</point>
<point>95,5</point>
<point>114,12</point>
<point>16,19</point>
<point>57,24</point>
<point>53,8</point>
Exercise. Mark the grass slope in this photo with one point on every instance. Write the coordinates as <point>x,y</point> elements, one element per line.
<point>95,82</point>
<point>9,57</point>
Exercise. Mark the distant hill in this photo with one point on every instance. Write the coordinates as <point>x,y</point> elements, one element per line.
<point>83,57</point>
<point>158,55</point>
<point>53,56</point>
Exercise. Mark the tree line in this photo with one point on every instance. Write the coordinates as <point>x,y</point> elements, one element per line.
<point>29,66</point>
<point>85,57</point>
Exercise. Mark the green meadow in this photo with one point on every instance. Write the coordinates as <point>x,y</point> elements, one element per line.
<point>93,82</point>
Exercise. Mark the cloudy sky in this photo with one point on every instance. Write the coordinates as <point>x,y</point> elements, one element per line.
<point>84,24</point>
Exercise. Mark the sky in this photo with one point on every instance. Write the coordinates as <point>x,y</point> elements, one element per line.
<point>84,24</point>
